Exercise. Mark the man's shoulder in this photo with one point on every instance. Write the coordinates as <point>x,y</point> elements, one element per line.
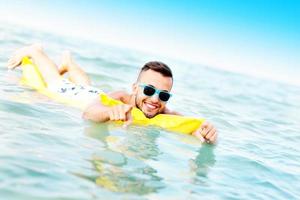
<point>120,95</point>
<point>170,112</point>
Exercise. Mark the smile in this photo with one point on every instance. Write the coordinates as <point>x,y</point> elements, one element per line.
<point>151,106</point>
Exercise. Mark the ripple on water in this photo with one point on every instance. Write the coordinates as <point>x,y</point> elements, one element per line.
<point>48,152</point>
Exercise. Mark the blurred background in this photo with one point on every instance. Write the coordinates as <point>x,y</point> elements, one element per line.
<point>260,38</point>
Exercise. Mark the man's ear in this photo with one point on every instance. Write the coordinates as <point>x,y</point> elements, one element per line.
<point>134,88</point>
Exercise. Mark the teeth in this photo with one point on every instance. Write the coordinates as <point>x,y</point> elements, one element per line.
<point>150,106</point>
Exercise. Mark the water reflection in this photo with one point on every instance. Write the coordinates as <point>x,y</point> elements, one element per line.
<point>203,162</point>
<point>121,165</point>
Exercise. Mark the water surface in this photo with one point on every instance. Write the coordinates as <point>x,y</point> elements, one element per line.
<point>48,152</point>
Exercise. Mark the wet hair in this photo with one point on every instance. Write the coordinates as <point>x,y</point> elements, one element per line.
<point>159,67</point>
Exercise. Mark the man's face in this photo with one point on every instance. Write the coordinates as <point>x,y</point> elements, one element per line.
<point>151,105</point>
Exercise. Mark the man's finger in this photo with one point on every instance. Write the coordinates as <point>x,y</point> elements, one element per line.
<point>199,136</point>
<point>210,133</point>
<point>129,119</point>
<point>111,115</point>
<point>128,114</point>
<point>128,108</point>
<point>122,116</point>
<point>10,64</point>
<point>127,123</point>
<point>213,138</point>
<point>121,113</point>
<point>204,132</point>
<point>205,129</point>
<point>115,114</point>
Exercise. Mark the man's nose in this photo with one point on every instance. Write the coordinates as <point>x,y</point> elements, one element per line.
<point>155,98</point>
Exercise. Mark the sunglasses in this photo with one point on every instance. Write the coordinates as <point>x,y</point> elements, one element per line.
<point>150,91</point>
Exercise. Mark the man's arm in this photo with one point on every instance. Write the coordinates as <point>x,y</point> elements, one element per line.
<point>97,112</point>
<point>170,112</point>
<point>206,132</point>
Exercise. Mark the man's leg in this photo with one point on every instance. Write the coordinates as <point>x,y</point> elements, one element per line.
<point>76,74</point>
<point>46,66</point>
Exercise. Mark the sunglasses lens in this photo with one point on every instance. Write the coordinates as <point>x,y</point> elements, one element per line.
<point>164,96</point>
<point>149,91</point>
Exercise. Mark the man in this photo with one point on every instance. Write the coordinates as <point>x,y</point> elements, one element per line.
<point>150,93</point>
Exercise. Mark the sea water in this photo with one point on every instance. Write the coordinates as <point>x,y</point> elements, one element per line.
<point>47,151</point>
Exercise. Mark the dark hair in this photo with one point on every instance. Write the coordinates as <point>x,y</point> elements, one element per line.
<point>159,67</point>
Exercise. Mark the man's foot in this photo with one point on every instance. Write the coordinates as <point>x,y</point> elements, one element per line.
<point>17,57</point>
<point>66,62</point>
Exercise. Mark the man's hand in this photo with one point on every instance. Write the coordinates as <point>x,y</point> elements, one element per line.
<point>206,133</point>
<point>120,112</point>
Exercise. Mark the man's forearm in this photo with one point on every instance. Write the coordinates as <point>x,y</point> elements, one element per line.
<point>96,113</point>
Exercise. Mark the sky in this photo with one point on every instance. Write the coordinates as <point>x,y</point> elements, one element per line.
<point>240,35</point>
